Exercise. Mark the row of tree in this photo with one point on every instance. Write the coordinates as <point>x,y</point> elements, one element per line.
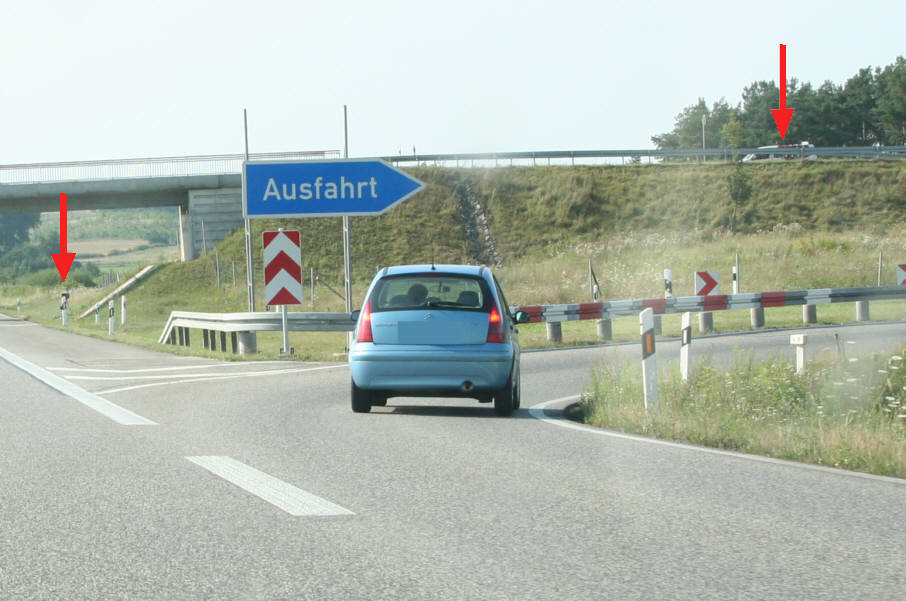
<point>870,108</point>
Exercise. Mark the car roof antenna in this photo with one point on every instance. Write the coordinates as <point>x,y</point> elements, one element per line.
<point>433,250</point>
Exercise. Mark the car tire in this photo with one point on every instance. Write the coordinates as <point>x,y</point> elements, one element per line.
<point>361,399</point>
<point>506,398</point>
<point>378,399</point>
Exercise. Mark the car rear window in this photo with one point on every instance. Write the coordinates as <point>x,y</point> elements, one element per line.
<point>441,291</point>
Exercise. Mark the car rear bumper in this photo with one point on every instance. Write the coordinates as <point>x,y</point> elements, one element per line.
<point>430,369</point>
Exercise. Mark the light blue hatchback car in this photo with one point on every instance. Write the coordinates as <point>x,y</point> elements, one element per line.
<point>436,331</point>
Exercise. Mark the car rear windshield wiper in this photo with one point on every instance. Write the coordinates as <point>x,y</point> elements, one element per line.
<point>440,303</point>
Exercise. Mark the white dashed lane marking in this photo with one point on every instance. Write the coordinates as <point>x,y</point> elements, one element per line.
<point>287,497</point>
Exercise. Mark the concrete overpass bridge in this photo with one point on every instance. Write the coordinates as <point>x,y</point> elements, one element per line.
<point>207,189</point>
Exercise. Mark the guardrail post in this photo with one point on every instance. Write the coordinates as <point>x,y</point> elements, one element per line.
<point>862,312</point>
<point>186,336</point>
<point>554,332</point>
<point>172,337</point>
<point>223,341</point>
<point>756,317</point>
<point>705,322</point>
<point>809,314</point>
<point>234,343</point>
<point>658,326</point>
<point>605,329</point>
<point>248,343</point>
<point>204,334</point>
<point>18,305</point>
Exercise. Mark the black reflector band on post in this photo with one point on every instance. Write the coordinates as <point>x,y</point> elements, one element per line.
<point>687,336</point>
<point>647,343</point>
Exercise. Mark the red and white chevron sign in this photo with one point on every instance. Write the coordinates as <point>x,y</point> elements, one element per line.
<point>901,275</point>
<point>282,268</point>
<point>706,282</point>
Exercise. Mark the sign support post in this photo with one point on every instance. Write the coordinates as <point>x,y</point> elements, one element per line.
<point>249,270</point>
<point>347,267</point>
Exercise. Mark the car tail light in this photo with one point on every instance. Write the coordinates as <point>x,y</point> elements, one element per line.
<point>495,326</point>
<point>365,334</point>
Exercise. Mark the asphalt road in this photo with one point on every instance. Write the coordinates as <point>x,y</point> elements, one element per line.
<point>439,498</point>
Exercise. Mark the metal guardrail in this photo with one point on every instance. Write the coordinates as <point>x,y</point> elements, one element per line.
<point>226,164</point>
<point>218,164</point>
<point>120,290</point>
<point>176,331</point>
<point>717,302</point>
<point>725,154</point>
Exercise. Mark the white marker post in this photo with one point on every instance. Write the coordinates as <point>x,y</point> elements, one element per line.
<point>685,344</point>
<point>123,310</point>
<point>64,308</point>
<point>799,340</point>
<point>649,361</point>
<point>110,320</point>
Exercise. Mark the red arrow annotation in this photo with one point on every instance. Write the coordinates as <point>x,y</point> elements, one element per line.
<point>782,115</point>
<point>63,259</point>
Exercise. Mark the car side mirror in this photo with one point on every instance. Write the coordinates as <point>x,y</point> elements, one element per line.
<point>522,317</point>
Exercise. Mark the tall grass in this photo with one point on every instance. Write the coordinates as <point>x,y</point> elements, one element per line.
<point>849,414</point>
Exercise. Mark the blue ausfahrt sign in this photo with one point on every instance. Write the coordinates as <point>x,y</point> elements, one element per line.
<point>323,188</point>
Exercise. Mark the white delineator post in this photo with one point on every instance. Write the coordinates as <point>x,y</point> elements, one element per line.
<point>123,310</point>
<point>110,319</point>
<point>649,361</point>
<point>685,344</point>
<point>799,340</point>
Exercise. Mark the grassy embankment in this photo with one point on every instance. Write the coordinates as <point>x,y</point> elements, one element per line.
<point>843,413</point>
<point>631,222</point>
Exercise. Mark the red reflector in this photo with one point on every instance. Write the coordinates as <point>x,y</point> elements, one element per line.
<point>364,334</point>
<point>495,326</point>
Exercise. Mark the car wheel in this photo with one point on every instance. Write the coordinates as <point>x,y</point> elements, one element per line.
<point>506,398</point>
<point>378,400</point>
<point>361,399</point>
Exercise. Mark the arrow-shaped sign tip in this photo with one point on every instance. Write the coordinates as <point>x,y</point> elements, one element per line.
<point>63,262</point>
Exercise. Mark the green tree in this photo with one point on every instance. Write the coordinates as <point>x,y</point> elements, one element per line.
<point>687,130</point>
<point>14,228</point>
<point>740,190</point>
<point>890,108</point>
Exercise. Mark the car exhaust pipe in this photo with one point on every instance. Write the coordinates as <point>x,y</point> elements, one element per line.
<point>467,386</point>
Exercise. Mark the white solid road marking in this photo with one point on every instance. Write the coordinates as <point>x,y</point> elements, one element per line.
<point>256,364</point>
<point>537,411</point>
<point>218,377</point>
<point>239,374</point>
<point>287,497</point>
<point>90,400</point>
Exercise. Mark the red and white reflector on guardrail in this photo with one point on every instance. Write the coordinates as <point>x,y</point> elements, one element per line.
<point>282,268</point>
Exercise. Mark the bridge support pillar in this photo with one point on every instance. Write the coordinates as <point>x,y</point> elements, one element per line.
<point>186,247</point>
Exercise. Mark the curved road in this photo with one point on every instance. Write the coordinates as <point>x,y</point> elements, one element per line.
<point>256,481</point>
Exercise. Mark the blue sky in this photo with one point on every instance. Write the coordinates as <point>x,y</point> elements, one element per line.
<point>96,80</point>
